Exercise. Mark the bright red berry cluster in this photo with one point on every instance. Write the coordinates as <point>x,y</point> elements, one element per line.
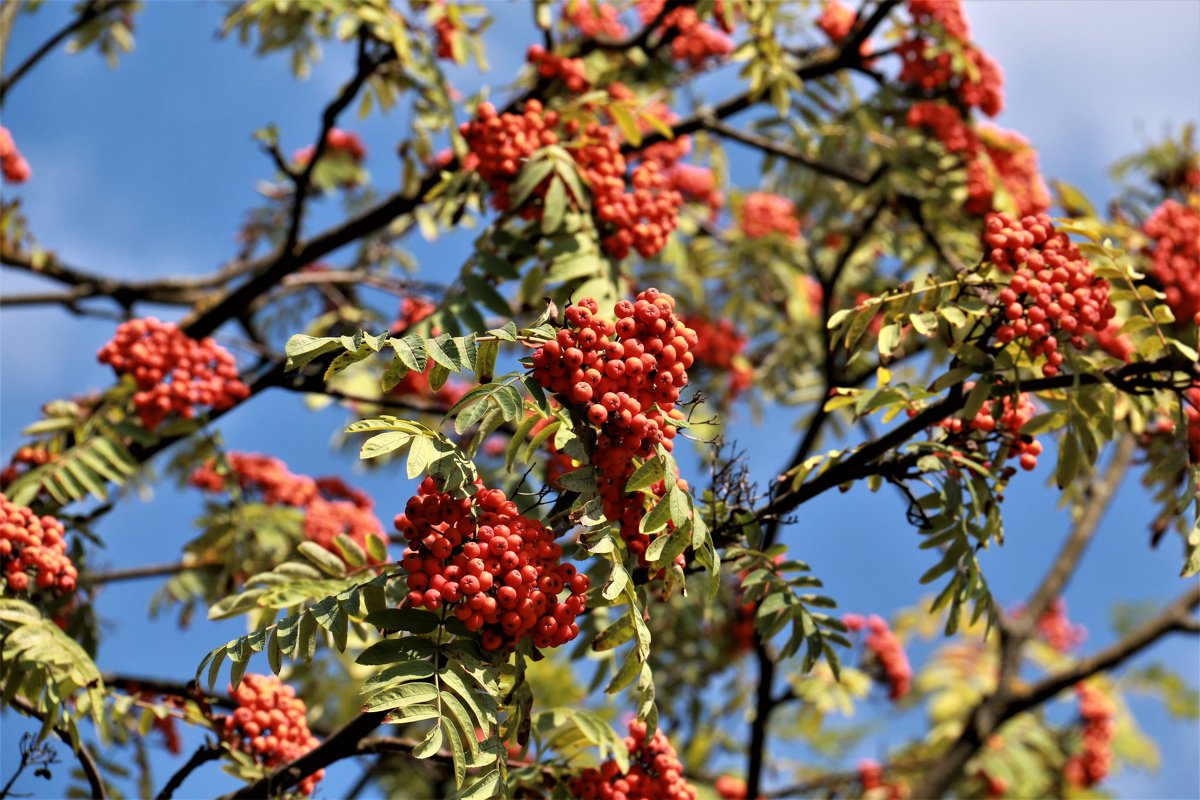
<point>697,185</point>
<point>764,214</point>
<point>886,650</point>
<point>337,141</point>
<point>655,772</point>
<point>594,18</point>
<point>730,788</point>
<point>1015,164</point>
<point>946,124</point>
<point>269,724</point>
<point>499,571</point>
<point>637,220</point>
<point>551,66</point>
<point>720,347</point>
<point>1191,410</point>
<point>1113,342</point>
<point>1053,289</point>
<point>693,40</point>
<point>13,165</point>
<point>25,459</point>
<point>1054,626</point>
<point>1005,418</point>
<point>626,377</point>
<point>980,85</point>
<point>870,775</point>
<point>947,13</point>
<point>201,373</point>
<point>446,35</point>
<point>1175,257</point>
<point>836,20</point>
<point>330,506</point>
<point>33,552</point>
<point>1097,710</point>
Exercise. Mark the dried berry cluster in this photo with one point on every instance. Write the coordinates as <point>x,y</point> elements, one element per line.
<point>637,220</point>
<point>655,772</point>
<point>1090,767</point>
<point>330,506</point>
<point>499,571</point>
<point>1054,626</point>
<point>1053,289</point>
<point>764,214</point>
<point>886,650</point>
<point>201,373</point>
<point>551,66</point>
<point>720,347</point>
<point>269,724</point>
<point>1004,417</point>
<point>692,40</point>
<point>33,550</point>
<point>626,377</point>
<point>13,165</point>
<point>1175,257</point>
<point>594,19</point>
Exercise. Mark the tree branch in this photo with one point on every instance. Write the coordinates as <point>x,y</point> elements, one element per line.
<point>202,756</point>
<point>788,153</point>
<point>137,573</point>
<point>86,761</point>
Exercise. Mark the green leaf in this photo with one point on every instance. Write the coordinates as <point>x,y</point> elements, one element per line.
<point>301,349</point>
<point>649,473</point>
<point>443,352</point>
<point>485,361</point>
<point>324,560</point>
<point>411,351</point>
<point>384,443</point>
<point>431,744</point>
<point>402,696</point>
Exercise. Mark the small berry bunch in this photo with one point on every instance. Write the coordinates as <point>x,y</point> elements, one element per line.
<point>946,13</point>
<point>1054,626</point>
<point>201,373</point>
<point>886,651</point>
<point>764,214</point>
<point>595,19</point>
<point>1097,710</point>
<point>1191,410</point>
<point>721,347</point>
<point>1005,417</point>
<point>269,724</point>
<point>626,377</point>
<point>637,220</point>
<point>655,772</point>
<point>1052,290</point>
<point>1175,257</point>
<point>13,165</point>
<point>729,787</point>
<point>25,459</point>
<point>697,184</point>
<point>551,67</point>
<point>836,20</point>
<point>498,570</point>
<point>1015,165</point>
<point>870,775</point>
<point>946,123</point>
<point>980,85</point>
<point>337,142</point>
<point>693,41</point>
<point>33,550</point>
<point>330,506</point>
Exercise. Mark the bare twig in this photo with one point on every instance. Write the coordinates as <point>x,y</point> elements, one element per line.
<point>203,755</point>
<point>87,761</point>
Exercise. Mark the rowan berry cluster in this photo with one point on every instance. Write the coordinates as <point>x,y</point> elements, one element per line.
<point>946,124</point>
<point>1015,165</point>
<point>445,36</point>
<point>1054,626</point>
<point>655,772</point>
<point>13,165</point>
<point>269,724</point>
<point>23,460</point>
<point>720,347</point>
<point>1052,291</point>
<point>1191,410</point>
<point>594,18</point>
<point>33,550</point>
<point>1005,418</point>
<point>626,377</point>
<point>330,506</point>
<point>947,13</point>
<point>165,725</point>
<point>499,571</point>
<point>551,66</point>
<point>980,85</point>
<point>337,141</point>
<point>1175,257</point>
<point>697,184</point>
<point>870,775</point>
<point>836,20</point>
<point>1113,342</point>
<point>885,651</point>
<point>1097,710</point>
<point>730,788</point>
<point>201,373</point>
<point>764,214</point>
<point>692,40</point>
<point>741,628</point>
<point>416,384</point>
<point>639,220</point>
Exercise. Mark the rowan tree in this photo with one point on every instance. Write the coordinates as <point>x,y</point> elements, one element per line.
<point>572,586</point>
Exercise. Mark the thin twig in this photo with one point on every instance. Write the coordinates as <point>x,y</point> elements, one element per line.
<point>87,762</point>
<point>206,753</point>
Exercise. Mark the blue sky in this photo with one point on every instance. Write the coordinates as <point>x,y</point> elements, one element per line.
<point>148,170</point>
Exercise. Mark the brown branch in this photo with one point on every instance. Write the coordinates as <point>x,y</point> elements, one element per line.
<point>788,153</point>
<point>86,761</point>
<point>91,11</point>
<point>1005,703</point>
<point>342,743</point>
<point>202,756</point>
<point>167,688</point>
<point>137,573</point>
<point>1097,499</point>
